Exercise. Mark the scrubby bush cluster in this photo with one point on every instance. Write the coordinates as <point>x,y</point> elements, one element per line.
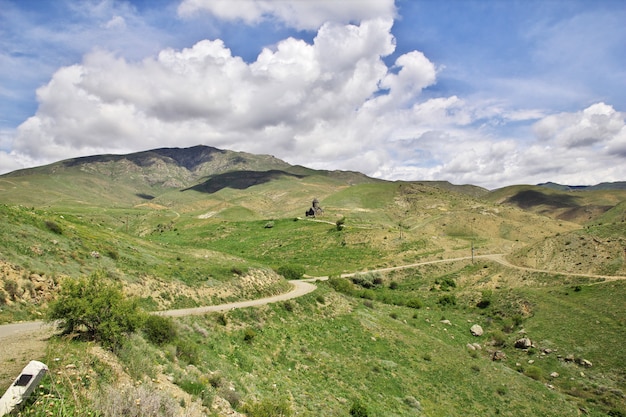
<point>370,287</point>
<point>97,308</point>
<point>291,271</point>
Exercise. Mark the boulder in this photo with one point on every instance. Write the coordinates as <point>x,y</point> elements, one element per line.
<point>498,355</point>
<point>523,343</point>
<point>476,330</point>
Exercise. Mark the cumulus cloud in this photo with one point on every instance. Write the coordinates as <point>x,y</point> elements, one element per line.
<point>298,14</point>
<point>322,99</point>
<point>332,103</point>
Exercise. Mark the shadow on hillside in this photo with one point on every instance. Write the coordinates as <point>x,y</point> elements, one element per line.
<point>239,180</point>
<point>531,198</point>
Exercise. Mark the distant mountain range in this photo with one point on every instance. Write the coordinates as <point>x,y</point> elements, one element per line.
<point>619,185</point>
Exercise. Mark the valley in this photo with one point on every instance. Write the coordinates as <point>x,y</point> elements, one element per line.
<point>411,266</point>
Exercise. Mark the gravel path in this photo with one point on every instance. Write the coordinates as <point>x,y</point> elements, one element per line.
<point>301,287</point>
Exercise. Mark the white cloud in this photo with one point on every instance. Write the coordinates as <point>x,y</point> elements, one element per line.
<point>292,98</point>
<point>116,22</point>
<point>592,127</point>
<point>298,14</point>
<point>332,103</point>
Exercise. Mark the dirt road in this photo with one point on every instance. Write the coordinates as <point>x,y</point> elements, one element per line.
<point>301,287</point>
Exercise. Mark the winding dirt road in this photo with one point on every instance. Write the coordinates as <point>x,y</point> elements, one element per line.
<point>300,288</point>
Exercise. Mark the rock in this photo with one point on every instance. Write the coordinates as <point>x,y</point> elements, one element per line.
<point>446,322</point>
<point>584,362</point>
<point>470,346</point>
<point>569,358</point>
<point>477,346</point>
<point>554,375</point>
<point>523,343</point>
<point>476,330</point>
<point>498,355</point>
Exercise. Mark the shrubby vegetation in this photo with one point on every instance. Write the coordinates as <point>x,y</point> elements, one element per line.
<point>291,271</point>
<point>97,308</point>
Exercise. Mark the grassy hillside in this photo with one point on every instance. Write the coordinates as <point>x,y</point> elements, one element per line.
<point>181,228</point>
<point>561,204</point>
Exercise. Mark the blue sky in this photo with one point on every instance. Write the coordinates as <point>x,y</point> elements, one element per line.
<point>491,92</point>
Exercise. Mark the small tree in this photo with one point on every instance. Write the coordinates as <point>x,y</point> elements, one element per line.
<point>97,307</point>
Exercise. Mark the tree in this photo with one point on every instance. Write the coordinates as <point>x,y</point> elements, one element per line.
<point>96,307</point>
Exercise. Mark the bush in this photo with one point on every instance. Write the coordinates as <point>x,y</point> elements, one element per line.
<point>159,330</point>
<point>499,338</point>
<point>367,280</point>
<point>97,306</point>
<point>358,409</point>
<point>393,285</point>
<point>341,285</point>
<point>447,300</point>
<point>291,271</point>
<point>268,408</point>
<point>339,224</point>
<point>249,335</point>
<point>414,303</point>
<point>187,351</point>
<point>534,372</point>
<point>54,227</point>
<point>12,288</point>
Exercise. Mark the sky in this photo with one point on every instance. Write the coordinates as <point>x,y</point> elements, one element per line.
<point>490,92</point>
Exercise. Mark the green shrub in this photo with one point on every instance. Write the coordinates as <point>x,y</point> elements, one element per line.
<point>268,408</point>
<point>447,300</point>
<point>534,372</point>
<point>320,299</point>
<point>54,227</point>
<point>367,280</point>
<point>414,303</point>
<point>485,301</point>
<point>341,285</point>
<point>393,285</point>
<point>288,306</point>
<point>291,271</point>
<point>358,409</point>
<point>249,335</point>
<point>221,319</point>
<point>499,338</point>
<point>99,307</point>
<point>339,224</point>
<point>159,330</point>
<point>187,351</point>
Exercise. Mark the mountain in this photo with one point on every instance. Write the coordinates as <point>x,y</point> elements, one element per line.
<point>620,185</point>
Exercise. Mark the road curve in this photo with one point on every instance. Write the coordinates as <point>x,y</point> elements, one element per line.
<point>300,288</point>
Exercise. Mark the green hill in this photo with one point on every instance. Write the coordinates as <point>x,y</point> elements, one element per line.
<point>188,227</point>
